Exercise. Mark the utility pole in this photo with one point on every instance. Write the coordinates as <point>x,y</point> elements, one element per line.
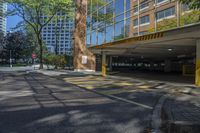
<point>10,58</point>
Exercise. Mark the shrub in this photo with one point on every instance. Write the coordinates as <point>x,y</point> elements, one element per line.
<point>55,60</point>
<point>60,61</point>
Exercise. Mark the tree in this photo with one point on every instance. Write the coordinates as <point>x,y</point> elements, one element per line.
<point>2,40</point>
<point>14,43</point>
<point>193,4</point>
<point>30,45</point>
<point>38,13</point>
<point>55,60</point>
<point>19,44</point>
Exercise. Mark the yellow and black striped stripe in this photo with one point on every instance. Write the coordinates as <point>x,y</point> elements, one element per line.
<point>149,37</point>
<point>134,39</point>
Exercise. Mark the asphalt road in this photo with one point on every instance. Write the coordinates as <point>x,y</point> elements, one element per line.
<point>35,103</point>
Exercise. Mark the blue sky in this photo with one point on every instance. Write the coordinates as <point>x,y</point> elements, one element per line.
<point>12,21</point>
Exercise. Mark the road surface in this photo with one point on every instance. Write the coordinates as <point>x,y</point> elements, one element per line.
<point>35,103</point>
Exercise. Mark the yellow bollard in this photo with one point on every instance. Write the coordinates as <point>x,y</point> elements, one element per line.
<point>197,77</point>
<point>104,70</point>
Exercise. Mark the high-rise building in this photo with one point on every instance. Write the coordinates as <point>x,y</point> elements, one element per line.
<point>113,20</point>
<point>144,35</point>
<point>58,34</point>
<point>3,9</point>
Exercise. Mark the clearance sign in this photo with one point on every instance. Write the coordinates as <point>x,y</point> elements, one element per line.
<point>134,39</point>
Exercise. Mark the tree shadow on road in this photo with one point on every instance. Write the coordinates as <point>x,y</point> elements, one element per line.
<point>57,107</point>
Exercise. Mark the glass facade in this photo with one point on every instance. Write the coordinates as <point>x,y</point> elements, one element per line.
<point>112,20</point>
<point>108,20</point>
<point>59,33</point>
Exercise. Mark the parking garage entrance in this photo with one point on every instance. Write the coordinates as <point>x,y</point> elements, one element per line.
<point>174,53</point>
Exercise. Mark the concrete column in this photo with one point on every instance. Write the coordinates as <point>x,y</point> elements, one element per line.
<point>103,64</point>
<point>167,66</point>
<point>151,66</point>
<point>131,29</point>
<point>197,76</point>
<point>110,63</point>
<point>178,14</point>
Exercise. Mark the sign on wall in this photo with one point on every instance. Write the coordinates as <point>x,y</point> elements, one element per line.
<point>84,60</point>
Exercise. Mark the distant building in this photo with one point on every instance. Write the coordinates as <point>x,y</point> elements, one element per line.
<point>62,30</point>
<point>3,9</point>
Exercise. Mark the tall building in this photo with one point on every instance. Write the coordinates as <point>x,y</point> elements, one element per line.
<point>114,19</point>
<point>58,34</point>
<point>3,9</point>
<point>150,35</point>
<point>157,15</point>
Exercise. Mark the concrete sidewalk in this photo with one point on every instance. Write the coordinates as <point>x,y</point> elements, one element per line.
<point>13,69</point>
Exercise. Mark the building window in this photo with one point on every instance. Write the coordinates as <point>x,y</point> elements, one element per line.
<point>144,20</point>
<point>143,5</point>
<point>135,9</point>
<point>161,1</point>
<point>135,22</point>
<point>167,13</point>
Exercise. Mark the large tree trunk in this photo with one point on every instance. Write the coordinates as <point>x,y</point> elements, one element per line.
<point>41,51</point>
<point>83,58</point>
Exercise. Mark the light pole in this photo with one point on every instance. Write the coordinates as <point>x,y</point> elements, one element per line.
<point>10,58</point>
<point>72,47</point>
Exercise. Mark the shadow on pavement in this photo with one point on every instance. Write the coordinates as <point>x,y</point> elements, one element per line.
<point>38,104</point>
<point>159,76</point>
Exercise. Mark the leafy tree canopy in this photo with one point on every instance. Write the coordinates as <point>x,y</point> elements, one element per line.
<point>38,13</point>
<point>33,11</point>
<point>193,4</point>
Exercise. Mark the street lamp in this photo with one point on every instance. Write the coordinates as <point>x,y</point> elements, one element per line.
<point>10,58</point>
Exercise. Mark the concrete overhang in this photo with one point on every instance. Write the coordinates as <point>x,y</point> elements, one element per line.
<point>179,42</point>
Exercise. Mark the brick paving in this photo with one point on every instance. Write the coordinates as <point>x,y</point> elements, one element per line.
<point>183,114</point>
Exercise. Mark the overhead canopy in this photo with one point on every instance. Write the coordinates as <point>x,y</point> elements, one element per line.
<point>175,43</point>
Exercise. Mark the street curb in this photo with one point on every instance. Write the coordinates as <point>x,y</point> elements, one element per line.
<point>156,121</point>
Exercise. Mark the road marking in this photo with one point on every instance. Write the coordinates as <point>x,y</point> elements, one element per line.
<point>115,97</point>
<point>128,101</point>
